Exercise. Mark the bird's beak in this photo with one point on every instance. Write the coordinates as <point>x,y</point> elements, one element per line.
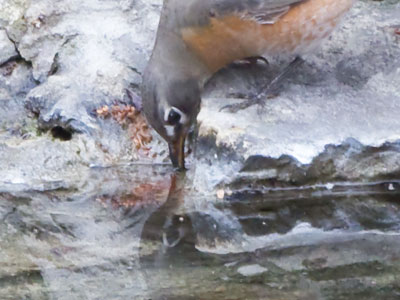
<point>177,152</point>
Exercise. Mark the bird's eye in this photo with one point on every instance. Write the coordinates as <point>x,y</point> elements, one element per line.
<point>173,117</point>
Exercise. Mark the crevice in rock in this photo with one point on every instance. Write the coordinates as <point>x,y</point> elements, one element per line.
<point>61,133</point>
<point>19,55</point>
<point>54,66</point>
<point>348,162</point>
<point>11,59</point>
<point>132,68</point>
<point>132,97</point>
<point>56,63</point>
<point>21,276</point>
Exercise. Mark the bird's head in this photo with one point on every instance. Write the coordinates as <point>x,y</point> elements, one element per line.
<point>171,107</point>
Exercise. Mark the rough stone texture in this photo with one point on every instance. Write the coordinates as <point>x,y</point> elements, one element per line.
<point>299,202</point>
<point>75,57</point>
<point>16,81</point>
<point>7,48</point>
<point>348,89</point>
<point>93,51</point>
<point>83,55</point>
<point>87,54</point>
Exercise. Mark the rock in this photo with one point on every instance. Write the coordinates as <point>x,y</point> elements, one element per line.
<point>251,270</point>
<point>84,55</point>
<point>299,202</point>
<point>76,69</point>
<point>348,89</point>
<point>7,48</point>
<point>15,82</point>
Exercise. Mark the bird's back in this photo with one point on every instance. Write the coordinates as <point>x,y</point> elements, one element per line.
<point>219,35</point>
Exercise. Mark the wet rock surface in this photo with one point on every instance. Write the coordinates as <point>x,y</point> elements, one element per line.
<point>148,234</point>
<point>297,201</point>
<point>349,89</point>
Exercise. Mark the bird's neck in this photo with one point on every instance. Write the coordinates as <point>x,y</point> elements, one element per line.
<point>172,56</point>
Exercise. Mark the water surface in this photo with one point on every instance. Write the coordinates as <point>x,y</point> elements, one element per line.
<point>145,233</point>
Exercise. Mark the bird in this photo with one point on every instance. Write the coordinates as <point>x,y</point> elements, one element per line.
<point>196,38</point>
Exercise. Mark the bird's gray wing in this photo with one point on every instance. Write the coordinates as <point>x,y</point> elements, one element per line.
<point>177,14</point>
<point>262,11</point>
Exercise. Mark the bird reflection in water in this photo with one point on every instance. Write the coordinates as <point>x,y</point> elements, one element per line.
<point>150,206</point>
<point>170,225</point>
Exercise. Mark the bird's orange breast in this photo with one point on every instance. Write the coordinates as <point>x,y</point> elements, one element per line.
<point>230,37</point>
